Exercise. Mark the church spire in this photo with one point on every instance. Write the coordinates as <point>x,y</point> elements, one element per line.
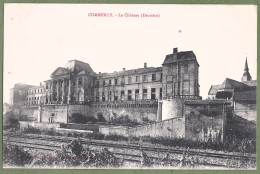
<point>246,75</point>
<point>246,66</point>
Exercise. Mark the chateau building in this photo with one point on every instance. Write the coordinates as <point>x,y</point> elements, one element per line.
<point>77,83</point>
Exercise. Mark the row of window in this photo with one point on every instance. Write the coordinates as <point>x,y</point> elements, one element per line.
<point>35,91</point>
<point>35,98</point>
<point>127,96</point>
<point>130,80</point>
<point>49,86</point>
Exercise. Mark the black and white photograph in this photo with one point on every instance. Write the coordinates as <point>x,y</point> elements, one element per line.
<point>129,86</point>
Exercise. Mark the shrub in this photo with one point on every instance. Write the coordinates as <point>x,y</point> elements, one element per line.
<point>116,138</point>
<point>100,117</point>
<point>11,123</point>
<point>32,130</point>
<point>81,119</point>
<point>15,156</point>
<point>78,118</point>
<point>95,136</point>
<point>76,147</point>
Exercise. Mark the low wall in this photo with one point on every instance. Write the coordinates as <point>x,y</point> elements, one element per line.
<point>92,127</point>
<point>41,126</point>
<point>112,130</point>
<point>172,128</point>
<point>63,130</point>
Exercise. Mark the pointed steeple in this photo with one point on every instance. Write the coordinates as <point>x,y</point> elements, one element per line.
<point>246,66</point>
<point>246,75</point>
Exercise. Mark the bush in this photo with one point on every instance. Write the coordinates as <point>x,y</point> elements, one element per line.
<point>32,130</point>
<point>15,156</point>
<point>76,147</point>
<point>116,138</point>
<point>81,119</point>
<point>95,136</point>
<point>100,117</point>
<point>11,123</point>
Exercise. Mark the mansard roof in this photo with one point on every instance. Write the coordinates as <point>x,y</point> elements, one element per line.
<point>184,55</point>
<point>131,72</point>
<point>76,65</point>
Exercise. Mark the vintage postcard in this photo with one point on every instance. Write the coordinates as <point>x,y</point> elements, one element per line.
<point>129,86</point>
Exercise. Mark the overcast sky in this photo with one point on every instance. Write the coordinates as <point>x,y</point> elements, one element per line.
<point>38,38</point>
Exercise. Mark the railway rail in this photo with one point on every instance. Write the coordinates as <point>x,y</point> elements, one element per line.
<point>127,157</point>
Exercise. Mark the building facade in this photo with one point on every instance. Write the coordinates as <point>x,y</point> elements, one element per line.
<point>77,83</point>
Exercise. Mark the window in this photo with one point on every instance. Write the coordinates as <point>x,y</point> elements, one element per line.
<point>129,80</point>
<point>153,77</point>
<point>122,95</point>
<point>109,82</point>
<point>97,84</point>
<point>137,94</point>
<point>97,96</point>
<point>80,81</point>
<point>186,88</point>
<point>153,94</point>
<point>136,79</point>
<point>74,83</point>
<point>144,93</point>
<point>161,77</point>
<point>185,68</point>
<point>109,96</point>
<point>115,81</point>
<point>129,96</point>
<point>115,95</point>
<point>160,93</point>
<point>104,82</point>
<point>145,78</point>
<point>186,76</point>
<point>103,96</point>
<point>46,86</point>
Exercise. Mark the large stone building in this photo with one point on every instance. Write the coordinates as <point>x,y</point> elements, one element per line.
<point>165,100</point>
<point>77,83</point>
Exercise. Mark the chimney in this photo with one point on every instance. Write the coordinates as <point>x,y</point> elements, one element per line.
<point>123,69</point>
<point>145,65</point>
<point>40,83</point>
<point>99,73</point>
<point>175,50</point>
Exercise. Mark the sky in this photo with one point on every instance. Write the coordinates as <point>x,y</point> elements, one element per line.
<point>38,38</point>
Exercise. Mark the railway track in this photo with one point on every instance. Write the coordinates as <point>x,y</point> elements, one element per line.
<point>127,157</point>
